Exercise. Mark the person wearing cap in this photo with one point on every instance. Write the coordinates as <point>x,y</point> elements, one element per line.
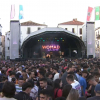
<point>97,92</point>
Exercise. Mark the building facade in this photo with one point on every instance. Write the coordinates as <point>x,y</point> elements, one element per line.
<point>3,47</point>
<point>29,27</point>
<point>74,26</point>
<point>97,42</point>
<point>0,41</point>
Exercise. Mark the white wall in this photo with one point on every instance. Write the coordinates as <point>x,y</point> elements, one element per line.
<point>69,28</point>
<point>24,31</point>
<point>7,44</point>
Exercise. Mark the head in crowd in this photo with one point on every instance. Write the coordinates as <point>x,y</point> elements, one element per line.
<point>26,87</point>
<point>31,82</point>
<point>66,90</point>
<point>55,70</point>
<point>45,95</point>
<point>91,80</point>
<point>70,79</point>
<point>84,73</point>
<point>31,74</point>
<point>97,90</point>
<point>57,83</point>
<point>71,67</point>
<point>20,82</point>
<point>73,95</point>
<point>41,74</point>
<point>96,76</point>
<point>43,82</point>
<point>8,89</point>
<point>49,75</point>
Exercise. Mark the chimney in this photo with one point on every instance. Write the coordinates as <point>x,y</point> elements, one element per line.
<point>75,19</point>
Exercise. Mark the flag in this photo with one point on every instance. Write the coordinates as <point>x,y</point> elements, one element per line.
<point>20,12</point>
<point>12,14</point>
<point>90,9</point>
<point>97,13</point>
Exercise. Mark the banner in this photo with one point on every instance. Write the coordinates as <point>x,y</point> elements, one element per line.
<point>20,12</point>
<point>97,13</point>
<point>90,9</point>
<point>12,14</point>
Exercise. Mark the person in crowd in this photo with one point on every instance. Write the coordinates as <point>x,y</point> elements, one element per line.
<point>92,82</point>
<point>8,91</point>
<point>66,90</point>
<point>45,95</point>
<point>97,93</point>
<point>19,85</point>
<point>83,82</point>
<point>41,74</point>
<point>56,75</point>
<point>11,75</point>
<point>73,95</point>
<point>57,88</point>
<point>49,78</point>
<point>78,74</point>
<point>44,85</point>
<point>75,84</point>
<point>34,90</point>
<point>4,79</point>
<point>25,93</point>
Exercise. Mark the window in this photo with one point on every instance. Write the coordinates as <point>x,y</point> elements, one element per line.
<point>39,28</point>
<point>81,37</point>
<point>80,31</point>
<point>65,28</point>
<point>73,30</point>
<point>28,30</point>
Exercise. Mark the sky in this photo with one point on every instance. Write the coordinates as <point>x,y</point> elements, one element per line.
<point>50,12</point>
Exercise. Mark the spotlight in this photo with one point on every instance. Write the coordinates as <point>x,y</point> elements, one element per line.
<point>57,40</point>
<point>38,40</point>
<point>43,40</point>
<point>61,38</point>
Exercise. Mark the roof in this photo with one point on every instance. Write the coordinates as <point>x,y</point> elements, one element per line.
<point>73,22</point>
<point>48,29</point>
<point>30,23</point>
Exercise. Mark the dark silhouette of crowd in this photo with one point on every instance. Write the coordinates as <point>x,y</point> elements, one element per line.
<point>59,79</point>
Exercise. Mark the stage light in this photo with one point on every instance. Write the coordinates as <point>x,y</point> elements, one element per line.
<point>43,40</point>
<point>38,40</point>
<point>57,40</point>
<point>61,38</point>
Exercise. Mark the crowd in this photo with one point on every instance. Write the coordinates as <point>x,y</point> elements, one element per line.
<point>53,79</point>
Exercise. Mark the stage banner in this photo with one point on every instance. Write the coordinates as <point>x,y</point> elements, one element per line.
<point>97,13</point>
<point>12,14</point>
<point>20,12</point>
<point>90,9</point>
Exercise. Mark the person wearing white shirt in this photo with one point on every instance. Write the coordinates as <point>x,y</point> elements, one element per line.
<point>75,84</point>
